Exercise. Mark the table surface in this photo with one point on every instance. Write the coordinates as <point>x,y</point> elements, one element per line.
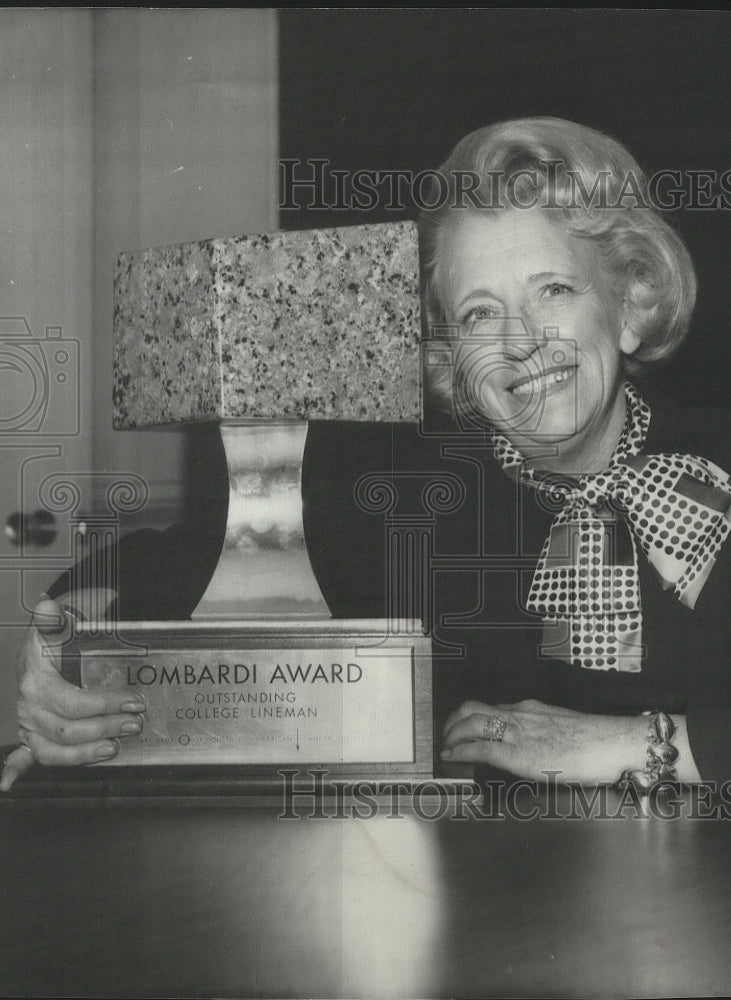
<point>158,898</point>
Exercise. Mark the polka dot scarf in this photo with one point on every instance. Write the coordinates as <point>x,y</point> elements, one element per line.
<point>586,584</point>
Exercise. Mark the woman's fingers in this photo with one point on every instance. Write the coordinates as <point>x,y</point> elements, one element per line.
<point>499,754</point>
<point>55,755</point>
<point>539,739</point>
<point>466,709</point>
<point>536,707</point>
<point>43,647</point>
<point>59,723</point>
<point>68,742</point>
<point>471,709</point>
<point>482,752</point>
<point>16,764</point>
<point>41,686</point>
<point>488,726</point>
<point>67,700</point>
<point>480,734</point>
<point>69,731</point>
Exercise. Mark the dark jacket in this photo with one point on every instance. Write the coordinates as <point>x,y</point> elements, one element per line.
<point>427,547</point>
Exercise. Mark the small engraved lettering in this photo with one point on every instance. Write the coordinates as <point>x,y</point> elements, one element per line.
<point>277,712</point>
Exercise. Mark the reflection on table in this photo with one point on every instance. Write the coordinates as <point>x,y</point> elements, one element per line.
<point>145,899</point>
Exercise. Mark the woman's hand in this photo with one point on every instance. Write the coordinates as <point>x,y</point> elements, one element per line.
<point>588,749</point>
<point>58,722</point>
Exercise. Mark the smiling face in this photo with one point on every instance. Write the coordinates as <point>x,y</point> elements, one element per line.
<point>542,331</point>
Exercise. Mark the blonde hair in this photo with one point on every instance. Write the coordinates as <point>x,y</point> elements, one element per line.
<point>594,188</point>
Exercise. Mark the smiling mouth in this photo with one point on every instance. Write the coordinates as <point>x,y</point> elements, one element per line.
<point>540,383</point>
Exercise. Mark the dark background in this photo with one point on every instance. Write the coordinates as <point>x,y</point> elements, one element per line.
<point>396,89</point>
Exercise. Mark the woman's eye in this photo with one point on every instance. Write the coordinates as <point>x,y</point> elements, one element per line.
<point>479,313</point>
<point>555,288</point>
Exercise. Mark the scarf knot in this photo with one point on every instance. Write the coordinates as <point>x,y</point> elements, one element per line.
<point>586,583</point>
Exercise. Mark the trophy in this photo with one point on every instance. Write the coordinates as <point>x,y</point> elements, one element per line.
<point>263,334</point>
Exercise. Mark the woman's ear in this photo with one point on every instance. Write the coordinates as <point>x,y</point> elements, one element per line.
<point>639,309</point>
<point>629,340</point>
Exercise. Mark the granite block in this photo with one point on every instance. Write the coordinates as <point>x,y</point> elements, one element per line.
<point>313,325</point>
<point>166,350</point>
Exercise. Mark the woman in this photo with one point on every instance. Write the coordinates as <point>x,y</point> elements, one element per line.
<point>557,278</point>
<point>595,564</point>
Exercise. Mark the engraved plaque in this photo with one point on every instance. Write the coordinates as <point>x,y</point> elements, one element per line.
<point>352,695</point>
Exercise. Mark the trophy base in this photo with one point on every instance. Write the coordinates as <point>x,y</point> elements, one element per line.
<point>352,696</point>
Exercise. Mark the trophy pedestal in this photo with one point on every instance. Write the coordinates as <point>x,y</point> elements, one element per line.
<point>262,676</point>
<point>351,696</point>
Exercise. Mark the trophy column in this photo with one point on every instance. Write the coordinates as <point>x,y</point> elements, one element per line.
<point>264,570</point>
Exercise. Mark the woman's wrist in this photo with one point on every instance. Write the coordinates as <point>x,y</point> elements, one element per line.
<point>664,754</point>
<point>685,765</point>
<point>629,748</point>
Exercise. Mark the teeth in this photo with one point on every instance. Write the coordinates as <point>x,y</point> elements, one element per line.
<point>543,381</point>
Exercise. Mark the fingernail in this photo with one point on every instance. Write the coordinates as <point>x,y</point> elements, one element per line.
<point>133,726</point>
<point>134,706</point>
<point>107,750</point>
<point>44,619</point>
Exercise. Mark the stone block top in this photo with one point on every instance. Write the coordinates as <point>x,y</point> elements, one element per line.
<point>311,325</point>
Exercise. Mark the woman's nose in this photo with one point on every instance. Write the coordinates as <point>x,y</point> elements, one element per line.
<point>521,337</point>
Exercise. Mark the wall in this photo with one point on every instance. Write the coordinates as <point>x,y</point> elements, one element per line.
<point>394,89</point>
<point>186,148</point>
<point>121,129</point>
<point>45,277</point>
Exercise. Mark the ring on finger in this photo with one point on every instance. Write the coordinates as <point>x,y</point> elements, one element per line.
<point>493,728</point>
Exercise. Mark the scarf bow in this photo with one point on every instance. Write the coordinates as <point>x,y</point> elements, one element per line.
<point>586,584</point>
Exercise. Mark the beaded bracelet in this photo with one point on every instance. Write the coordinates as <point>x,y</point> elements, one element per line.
<point>661,757</point>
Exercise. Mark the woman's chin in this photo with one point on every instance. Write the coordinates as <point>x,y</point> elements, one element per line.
<point>550,426</point>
